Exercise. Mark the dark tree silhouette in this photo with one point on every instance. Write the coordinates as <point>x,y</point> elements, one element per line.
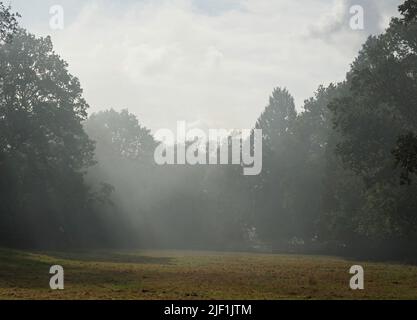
<point>8,23</point>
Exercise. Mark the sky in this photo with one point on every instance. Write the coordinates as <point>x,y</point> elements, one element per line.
<point>212,63</point>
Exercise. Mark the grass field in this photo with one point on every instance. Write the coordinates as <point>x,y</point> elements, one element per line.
<point>198,275</point>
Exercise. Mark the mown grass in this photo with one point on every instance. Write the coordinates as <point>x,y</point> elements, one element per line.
<point>198,275</point>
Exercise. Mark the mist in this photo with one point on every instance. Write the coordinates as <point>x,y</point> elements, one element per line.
<point>331,174</point>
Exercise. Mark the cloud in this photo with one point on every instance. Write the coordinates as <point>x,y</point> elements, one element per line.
<point>211,62</point>
<point>217,7</point>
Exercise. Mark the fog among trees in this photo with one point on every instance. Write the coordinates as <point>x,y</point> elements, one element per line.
<point>338,177</point>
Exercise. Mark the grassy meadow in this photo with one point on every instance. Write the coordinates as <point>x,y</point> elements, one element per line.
<point>149,275</point>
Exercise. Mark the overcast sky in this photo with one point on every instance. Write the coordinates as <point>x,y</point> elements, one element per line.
<point>212,63</point>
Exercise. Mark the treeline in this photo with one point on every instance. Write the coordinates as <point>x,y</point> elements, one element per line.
<point>337,177</point>
<point>44,149</point>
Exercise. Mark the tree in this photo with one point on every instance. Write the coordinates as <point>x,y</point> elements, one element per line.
<point>405,154</point>
<point>376,120</point>
<point>409,10</point>
<point>8,23</point>
<point>272,188</point>
<point>405,29</point>
<point>314,135</point>
<point>44,150</point>
<point>120,134</point>
<point>124,159</point>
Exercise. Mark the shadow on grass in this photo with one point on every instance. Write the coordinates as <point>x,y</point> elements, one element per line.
<point>23,270</point>
<point>110,257</point>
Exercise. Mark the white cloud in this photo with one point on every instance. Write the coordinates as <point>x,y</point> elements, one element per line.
<point>166,61</point>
